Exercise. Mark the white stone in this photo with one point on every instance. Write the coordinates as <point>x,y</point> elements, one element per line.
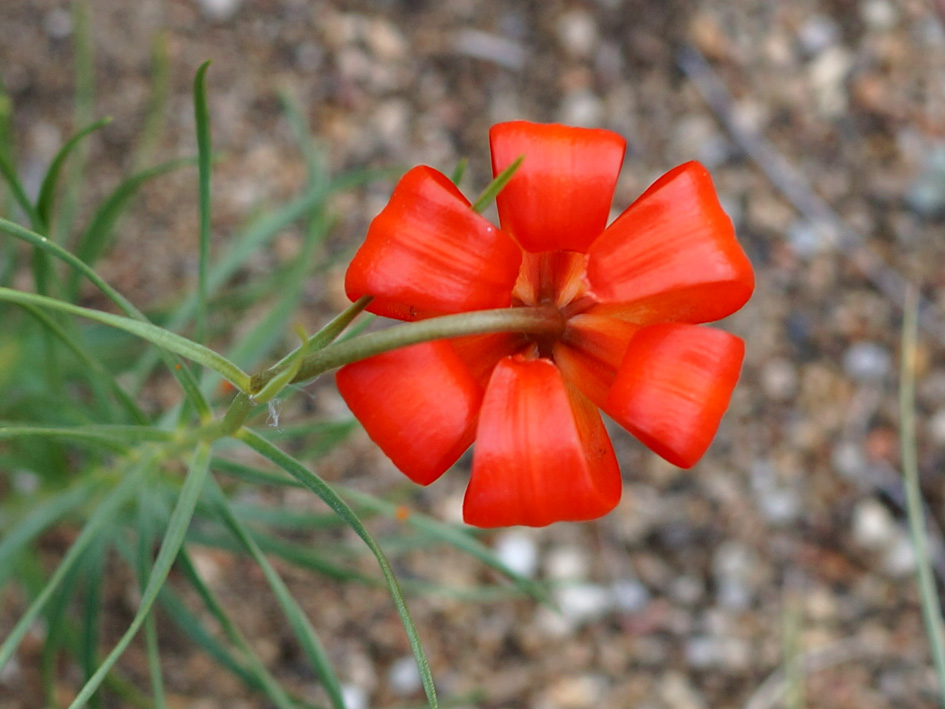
<point>867,361</point>
<point>873,525</point>
<point>629,595</point>
<point>583,602</point>
<point>900,559</point>
<point>577,31</point>
<point>518,551</point>
<point>218,10</point>
<point>879,14</point>
<point>779,378</point>
<point>818,33</point>
<point>354,697</point>
<point>404,677</point>
<point>937,427</point>
<point>566,564</point>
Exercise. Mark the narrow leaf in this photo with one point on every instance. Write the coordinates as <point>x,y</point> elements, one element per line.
<point>335,502</point>
<point>202,119</point>
<point>173,538</point>
<point>47,193</point>
<point>307,637</point>
<point>152,333</point>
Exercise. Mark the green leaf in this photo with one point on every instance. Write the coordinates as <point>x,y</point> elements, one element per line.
<point>307,637</point>
<point>254,673</point>
<point>146,534</point>
<point>459,171</point>
<point>164,339</point>
<point>8,171</point>
<point>249,241</point>
<point>915,507</point>
<point>341,508</point>
<point>174,536</point>
<point>98,375</point>
<point>183,376</point>
<point>94,240</point>
<point>496,186</point>
<point>202,119</point>
<point>103,514</point>
<point>19,531</point>
<point>458,538</point>
<point>47,193</point>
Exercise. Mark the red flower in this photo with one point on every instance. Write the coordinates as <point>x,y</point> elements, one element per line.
<point>631,297</point>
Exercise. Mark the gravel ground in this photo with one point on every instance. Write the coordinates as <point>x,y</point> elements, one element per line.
<point>823,123</point>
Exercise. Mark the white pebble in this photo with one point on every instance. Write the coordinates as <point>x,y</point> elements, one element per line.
<point>629,595</point>
<point>937,427</point>
<point>583,602</point>
<point>58,23</point>
<point>873,526</point>
<point>779,379</point>
<point>404,677</point>
<point>354,697</point>
<point>867,361</point>
<point>566,564</point>
<point>818,33</point>
<point>518,551</point>
<point>879,14</point>
<point>899,560</point>
<point>218,10</point>
<point>577,31</point>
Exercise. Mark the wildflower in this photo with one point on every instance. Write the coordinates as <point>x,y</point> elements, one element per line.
<point>627,301</point>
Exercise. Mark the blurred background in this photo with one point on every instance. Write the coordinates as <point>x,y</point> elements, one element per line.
<point>823,125</point>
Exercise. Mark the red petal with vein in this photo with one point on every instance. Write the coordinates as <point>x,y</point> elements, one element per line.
<point>673,254</point>
<point>481,353</point>
<point>419,404</point>
<point>673,387</point>
<point>590,352</point>
<point>559,199</point>
<point>427,253</point>
<point>542,454</point>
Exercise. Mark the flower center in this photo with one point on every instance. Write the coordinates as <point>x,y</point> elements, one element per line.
<point>555,278</point>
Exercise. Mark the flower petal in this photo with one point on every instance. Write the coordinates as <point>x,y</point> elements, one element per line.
<point>419,404</point>
<point>672,254</point>
<point>427,253</point>
<point>591,350</point>
<point>542,454</point>
<point>673,387</point>
<point>559,199</point>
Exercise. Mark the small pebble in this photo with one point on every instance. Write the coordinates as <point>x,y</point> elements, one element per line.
<point>899,559</point>
<point>867,361</point>
<point>566,564</point>
<point>518,551</point>
<point>817,34</point>
<point>58,23</point>
<point>779,378</point>
<point>583,602</point>
<point>629,595</point>
<point>576,692</point>
<point>873,525</point>
<point>936,426</point>
<point>354,697</point>
<point>582,107</point>
<point>879,14</point>
<point>404,677</point>
<point>732,566</point>
<point>577,32</point>
<point>218,10</point>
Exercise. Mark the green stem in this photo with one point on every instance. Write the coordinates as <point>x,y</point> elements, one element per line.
<point>534,321</point>
<point>931,605</point>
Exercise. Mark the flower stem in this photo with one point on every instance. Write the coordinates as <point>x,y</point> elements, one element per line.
<point>541,320</point>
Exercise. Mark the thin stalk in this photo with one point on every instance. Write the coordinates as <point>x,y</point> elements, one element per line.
<point>931,606</point>
<point>534,321</point>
